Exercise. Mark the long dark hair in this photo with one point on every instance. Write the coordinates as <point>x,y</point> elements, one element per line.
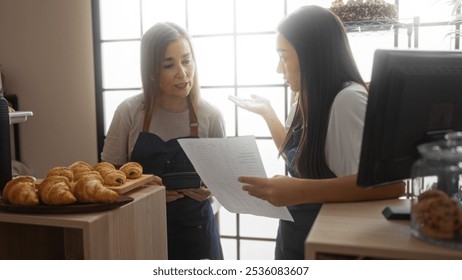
<point>153,45</point>
<point>326,64</point>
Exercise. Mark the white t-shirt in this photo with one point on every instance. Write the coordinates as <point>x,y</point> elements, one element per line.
<point>127,124</point>
<point>345,130</point>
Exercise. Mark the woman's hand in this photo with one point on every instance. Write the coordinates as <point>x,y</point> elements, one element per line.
<point>199,194</point>
<point>258,104</point>
<point>156,181</point>
<point>172,195</point>
<point>274,190</point>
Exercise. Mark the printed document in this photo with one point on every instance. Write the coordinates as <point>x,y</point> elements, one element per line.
<point>220,161</point>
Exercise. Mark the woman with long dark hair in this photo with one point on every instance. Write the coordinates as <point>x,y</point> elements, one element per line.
<point>322,144</point>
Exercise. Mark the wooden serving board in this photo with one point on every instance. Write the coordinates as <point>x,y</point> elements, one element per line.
<point>132,184</point>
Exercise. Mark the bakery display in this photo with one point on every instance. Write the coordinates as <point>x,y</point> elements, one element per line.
<point>21,191</point>
<point>78,184</point>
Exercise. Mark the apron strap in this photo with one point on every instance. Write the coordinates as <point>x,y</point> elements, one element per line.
<point>193,123</point>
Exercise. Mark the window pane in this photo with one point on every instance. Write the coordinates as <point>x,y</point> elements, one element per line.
<point>256,226</point>
<point>252,124</point>
<point>294,4</point>
<point>210,16</point>
<point>121,64</point>
<point>215,60</point>
<point>229,248</point>
<point>156,11</point>
<point>219,98</point>
<point>436,37</point>
<point>273,164</point>
<point>112,99</point>
<point>257,250</point>
<point>114,23</point>
<point>227,223</point>
<point>246,12</point>
<point>363,46</point>
<point>257,60</point>
<point>427,10</point>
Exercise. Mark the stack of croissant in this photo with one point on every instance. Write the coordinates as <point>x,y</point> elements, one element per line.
<point>79,182</point>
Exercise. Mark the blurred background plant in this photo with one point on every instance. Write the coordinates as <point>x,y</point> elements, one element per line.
<point>457,20</point>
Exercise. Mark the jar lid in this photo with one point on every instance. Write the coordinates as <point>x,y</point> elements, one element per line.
<point>449,149</point>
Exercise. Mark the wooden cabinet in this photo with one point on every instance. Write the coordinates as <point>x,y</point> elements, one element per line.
<point>137,230</point>
<point>360,231</point>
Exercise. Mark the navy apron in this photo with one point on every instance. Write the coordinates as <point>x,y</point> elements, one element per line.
<point>191,230</point>
<point>290,240</point>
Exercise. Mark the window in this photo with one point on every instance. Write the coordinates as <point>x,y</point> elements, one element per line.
<point>234,43</point>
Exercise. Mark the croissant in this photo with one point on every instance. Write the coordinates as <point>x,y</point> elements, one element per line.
<point>132,170</point>
<point>79,167</point>
<point>88,173</point>
<point>91,189</point>
<point>21,191</point>
<point>61,171</point>
<point>55,190</point>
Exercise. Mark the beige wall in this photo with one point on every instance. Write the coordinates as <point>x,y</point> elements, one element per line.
<point>47,56</point>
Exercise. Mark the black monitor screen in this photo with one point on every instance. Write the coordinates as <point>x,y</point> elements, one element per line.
<point>415,97</point>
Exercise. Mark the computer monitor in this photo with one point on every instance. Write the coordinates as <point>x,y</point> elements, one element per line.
<point>415,97</point>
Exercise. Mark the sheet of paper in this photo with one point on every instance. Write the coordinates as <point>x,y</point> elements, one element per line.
<point>220,161</point>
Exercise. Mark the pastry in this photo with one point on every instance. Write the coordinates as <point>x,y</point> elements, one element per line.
<point>90,188</point>
<point>79,167</point>
<point>102,165</point>
<point>61,171</point>
<point>132,170</point>
<point>112,176</point>
<point>21,191</point>
<point>87,173</point>
<point>56,190</point>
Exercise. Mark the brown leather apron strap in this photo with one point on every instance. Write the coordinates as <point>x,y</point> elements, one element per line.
<point>193,123</point>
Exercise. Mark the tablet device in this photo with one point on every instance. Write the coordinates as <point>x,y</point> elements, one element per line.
<point>181,180</point>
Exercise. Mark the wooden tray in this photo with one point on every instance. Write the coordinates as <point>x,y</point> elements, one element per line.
<point>132,184</point>
<point>64,209</point>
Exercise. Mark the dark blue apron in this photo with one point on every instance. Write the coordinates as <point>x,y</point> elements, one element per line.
<point>290,240</point>
<point>191,229</point>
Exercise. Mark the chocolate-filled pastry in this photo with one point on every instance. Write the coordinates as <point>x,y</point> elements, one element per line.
<point>61,171</point>
<point>113,177</point>
<point>132,170</point>
<point>21,191</point>
<point>90,188</point>
<point>56,190</point>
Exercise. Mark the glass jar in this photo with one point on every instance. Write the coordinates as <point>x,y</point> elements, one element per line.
<point>436,192</point>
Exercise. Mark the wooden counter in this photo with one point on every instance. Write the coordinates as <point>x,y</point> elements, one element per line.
<point>137,230</point>
<point>360,231</point>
